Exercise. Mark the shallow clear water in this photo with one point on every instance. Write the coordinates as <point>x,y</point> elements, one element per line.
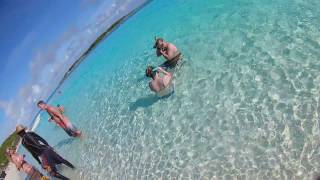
<point>246,99</point>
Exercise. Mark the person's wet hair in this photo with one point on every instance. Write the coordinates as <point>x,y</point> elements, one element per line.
<point>149,71</point>
<point>40,102</point>
<point>158,40</point>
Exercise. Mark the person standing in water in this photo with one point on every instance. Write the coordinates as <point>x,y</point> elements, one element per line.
<point>21,164</point>
<point>57,116</point>
<point>169,51</point>
<point>161,81</point>
<point>40,149</point>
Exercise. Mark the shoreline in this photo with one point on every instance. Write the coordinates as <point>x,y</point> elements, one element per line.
<point>114,26</point>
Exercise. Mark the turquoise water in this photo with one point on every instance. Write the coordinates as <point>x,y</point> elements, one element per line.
<point>246,99</point>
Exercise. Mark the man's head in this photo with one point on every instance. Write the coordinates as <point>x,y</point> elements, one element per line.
<point>149,72</point>
<point>20,130</point>
<point>41,104</point>
<point>159,42</point>
<point>10,151</point>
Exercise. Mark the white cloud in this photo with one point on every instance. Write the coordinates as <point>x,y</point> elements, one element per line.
<point>36,89</point>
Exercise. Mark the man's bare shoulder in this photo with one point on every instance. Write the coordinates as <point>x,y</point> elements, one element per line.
<point>172,46</point>
<point>52,108</point>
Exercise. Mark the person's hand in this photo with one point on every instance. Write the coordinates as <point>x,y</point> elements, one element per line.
<point>155,69</point>
<point>162,51</point>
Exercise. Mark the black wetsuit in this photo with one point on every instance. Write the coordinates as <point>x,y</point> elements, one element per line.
<point>39,147</point>
<point>34,144</point>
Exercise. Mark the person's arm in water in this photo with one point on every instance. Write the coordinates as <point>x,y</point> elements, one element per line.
<point>151,87</point>
<point>60,108</point>
<point>56,113</point>
<point>160,69</point>
<point>172,51</point>
<point>39,138</point>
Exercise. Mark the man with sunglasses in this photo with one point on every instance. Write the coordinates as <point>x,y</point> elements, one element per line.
<point>168,51</point>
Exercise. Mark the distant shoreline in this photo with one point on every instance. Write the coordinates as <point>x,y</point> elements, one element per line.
<point>100,38</point>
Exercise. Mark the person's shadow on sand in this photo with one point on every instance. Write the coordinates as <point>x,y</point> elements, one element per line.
<point>145,102</point>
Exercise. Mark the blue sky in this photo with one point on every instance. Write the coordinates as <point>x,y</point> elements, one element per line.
<point>39,40</point>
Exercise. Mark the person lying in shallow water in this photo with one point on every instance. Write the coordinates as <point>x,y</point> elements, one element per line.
<point>161,81</point>
<point>21,164</point>
<point>168,51</point>
<point>56,114</point>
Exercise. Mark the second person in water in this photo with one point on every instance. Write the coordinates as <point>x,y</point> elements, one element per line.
<point>161,81</point>
<point>57,116</point>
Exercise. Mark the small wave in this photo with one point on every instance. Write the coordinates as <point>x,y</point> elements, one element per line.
<point>36,122</point>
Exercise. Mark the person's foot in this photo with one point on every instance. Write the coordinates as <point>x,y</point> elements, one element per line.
<point>78,133</point>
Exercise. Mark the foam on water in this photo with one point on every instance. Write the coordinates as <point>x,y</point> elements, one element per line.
<point>246,99</point>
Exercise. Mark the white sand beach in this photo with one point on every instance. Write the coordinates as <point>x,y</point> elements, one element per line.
<point>13,173</point>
